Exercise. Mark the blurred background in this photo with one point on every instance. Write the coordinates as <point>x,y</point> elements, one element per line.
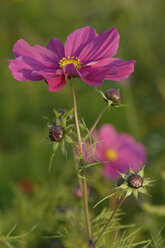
<point>29,194</point>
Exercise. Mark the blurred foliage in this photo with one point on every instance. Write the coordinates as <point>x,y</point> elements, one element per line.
<point>24,150</point>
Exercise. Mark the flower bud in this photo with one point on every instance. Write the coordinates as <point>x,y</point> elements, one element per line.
<point>135,181</point>
<point>78,192</point>
<point>61,111</point>
<point>120,181</point>
<point>27,186</point>
<point>63,209</point>
<point>56,133</point>
<point>113,95</point>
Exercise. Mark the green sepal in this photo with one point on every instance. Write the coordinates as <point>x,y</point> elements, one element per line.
<point>63,149</point>
<point>135,192</point>
<point>68,139</point>
<point>56,114</point>
<point>55,146</point>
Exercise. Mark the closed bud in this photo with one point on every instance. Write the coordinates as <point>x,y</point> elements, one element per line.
<point>78,192</point>
<point>113,95</point>
<point>56,133</point>
<point>135,181</point>
<point>63,209</point>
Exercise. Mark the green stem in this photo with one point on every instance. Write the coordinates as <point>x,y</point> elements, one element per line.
<point>84,182</point>
<point>5,242</point>
<point>96,122</point>
<point>109,220</point>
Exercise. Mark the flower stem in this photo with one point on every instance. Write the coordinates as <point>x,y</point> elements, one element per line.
<point>109,220</point>
<point>83,178</point>
<point>96,122</point>
<point>5,242</point>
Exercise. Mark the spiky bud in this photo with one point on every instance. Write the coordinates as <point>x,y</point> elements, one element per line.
<point>120,181</point>
<point>113,95</point>
<point>56,133</point>
<point>135,181</point>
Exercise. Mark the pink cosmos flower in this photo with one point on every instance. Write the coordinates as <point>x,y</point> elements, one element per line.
<point>117,151</point>
<point>85,54</point>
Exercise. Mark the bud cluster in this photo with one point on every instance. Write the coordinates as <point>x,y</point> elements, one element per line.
<point>61,130</point>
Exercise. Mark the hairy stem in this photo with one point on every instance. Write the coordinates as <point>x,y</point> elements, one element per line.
<point>84,182</point>
<point>96,122</point>
<point>109,220</point>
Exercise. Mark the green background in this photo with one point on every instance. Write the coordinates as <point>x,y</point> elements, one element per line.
<point>24,149</point>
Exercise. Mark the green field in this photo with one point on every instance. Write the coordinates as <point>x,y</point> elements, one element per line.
<point>24,147</point>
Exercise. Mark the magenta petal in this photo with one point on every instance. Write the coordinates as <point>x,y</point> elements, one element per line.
<point>119,70</point>
<point>107,139</point>
<point>70,70</point>
<point>95,80</point>
<point>21,47</point>
<point>128,151</point>
<point>37,64</point>
<point>56,46</point>
<point>42,54</point>
<point>102,63</point>
<point>46,55</point>
<point>46,73</point>
<point>110,172</point>
<point>103,46</point>
<point>108,134</point>
<point>133,155</point>
<point>22,71</point>
<point>56,83</point>
<point>92,77</point>
<point>77,40</point>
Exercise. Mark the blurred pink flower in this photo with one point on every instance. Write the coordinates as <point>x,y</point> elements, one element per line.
<point>27,186</point>
<point>78,191</point>
<point>117,151</point>
<point>85,54</point>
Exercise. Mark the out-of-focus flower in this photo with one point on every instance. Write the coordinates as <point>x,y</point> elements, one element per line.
<point>117,151</point>
<point>63,209</point>
<point>85,54</point>
<point>27,186</point>
<point>78,191</point>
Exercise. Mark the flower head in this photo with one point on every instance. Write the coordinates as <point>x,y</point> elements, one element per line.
<point>56,133</point>
<point>117,151</point>
<point>133,183</point>
<point>85,54</point>
<point>113,95</point>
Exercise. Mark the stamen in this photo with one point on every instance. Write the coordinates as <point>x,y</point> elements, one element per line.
<point>111,154</point>
<point>66,61</point>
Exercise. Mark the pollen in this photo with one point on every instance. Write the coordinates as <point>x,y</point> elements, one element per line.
<point>70,60</point>
<point>111,154</point>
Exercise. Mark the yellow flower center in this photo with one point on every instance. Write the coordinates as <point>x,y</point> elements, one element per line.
<point>66,61</point>
<point>111,154</point>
